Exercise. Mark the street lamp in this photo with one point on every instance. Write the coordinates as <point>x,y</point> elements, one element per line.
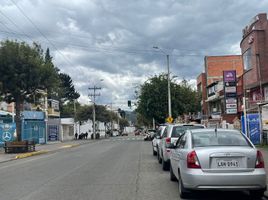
<point>168,77</point>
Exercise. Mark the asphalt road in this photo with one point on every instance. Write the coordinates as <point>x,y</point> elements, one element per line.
<point>121,168</point>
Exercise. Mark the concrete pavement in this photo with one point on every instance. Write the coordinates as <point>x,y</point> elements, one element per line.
<point>120,168</point>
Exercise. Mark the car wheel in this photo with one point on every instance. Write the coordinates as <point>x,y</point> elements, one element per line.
<point>256,194</point>
<point>172,176</point>
<point>165,165</point>
<point>182,191</point>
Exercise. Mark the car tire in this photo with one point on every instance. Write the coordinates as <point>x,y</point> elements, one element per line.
<point>183,192</point>
<point>172,176</point>
<point>256,194</point>
<point>165,165</point>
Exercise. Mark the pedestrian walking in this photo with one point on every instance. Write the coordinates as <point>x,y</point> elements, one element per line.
<point>86,135</point>
<point>76,135</point>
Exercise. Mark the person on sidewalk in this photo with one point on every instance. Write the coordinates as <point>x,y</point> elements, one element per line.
<point>76,135</point>
<point>86,135</point>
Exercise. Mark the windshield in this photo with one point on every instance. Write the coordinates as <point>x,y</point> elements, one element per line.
<point>178,130</point>
<point>219,138</point>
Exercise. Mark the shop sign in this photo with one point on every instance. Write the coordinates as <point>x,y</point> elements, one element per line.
<point>231,105</point>
<point>231,100</point>
<point>231,89</point>
<point>231,111</point>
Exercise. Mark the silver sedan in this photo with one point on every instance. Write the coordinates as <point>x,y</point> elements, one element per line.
<point>217,159</point>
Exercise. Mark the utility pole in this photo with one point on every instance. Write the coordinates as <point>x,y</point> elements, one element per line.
<point>94,111</point>
<point>168,79</point>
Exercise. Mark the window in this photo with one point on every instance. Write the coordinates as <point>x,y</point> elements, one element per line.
<point>218,138</point>
<point>247,59</point>
<point>182,142</point>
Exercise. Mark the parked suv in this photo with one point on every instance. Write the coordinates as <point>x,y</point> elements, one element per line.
<point>171,133</point>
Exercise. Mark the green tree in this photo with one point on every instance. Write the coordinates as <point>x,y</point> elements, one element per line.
<point>67,89</point>
<point>152,99</point>
<point>85,113</point>
<point>23,71</point>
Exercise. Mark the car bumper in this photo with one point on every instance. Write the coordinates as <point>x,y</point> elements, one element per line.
<point>199,180</point>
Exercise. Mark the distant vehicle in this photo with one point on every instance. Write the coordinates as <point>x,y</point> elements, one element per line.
<point>137,132</point>
<point>149,134</point>
<point>115,133</point>
<point>170,135</point>
<point>124,134</point>
<point>217,159</point>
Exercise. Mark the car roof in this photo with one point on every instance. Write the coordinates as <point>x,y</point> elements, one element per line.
<point>213,130</point>
<point>185,124</point>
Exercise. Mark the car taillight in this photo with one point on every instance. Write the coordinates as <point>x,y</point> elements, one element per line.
<point>192,160</point>
<point>259,160</point>
<point>168,140</point>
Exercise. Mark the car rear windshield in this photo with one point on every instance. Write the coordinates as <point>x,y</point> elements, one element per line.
<point>179,130</point>
<point>218,138</point>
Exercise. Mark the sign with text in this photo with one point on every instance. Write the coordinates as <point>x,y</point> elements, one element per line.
<point>231,100</point>
<point>229,76</point>
<point>230,89</point>
<point>230,92</point>
<point>231,105</point>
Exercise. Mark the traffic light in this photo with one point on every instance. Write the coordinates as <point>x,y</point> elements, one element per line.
<point>129,103</point>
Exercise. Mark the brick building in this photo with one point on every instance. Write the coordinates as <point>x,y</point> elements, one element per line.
<point>201,88</point>
<point>211,83</point>
<point>254,48</point>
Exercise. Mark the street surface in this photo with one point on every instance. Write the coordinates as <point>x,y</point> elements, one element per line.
<point>118,168</point>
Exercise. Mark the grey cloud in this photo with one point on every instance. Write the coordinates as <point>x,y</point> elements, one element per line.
<point>110,39</point>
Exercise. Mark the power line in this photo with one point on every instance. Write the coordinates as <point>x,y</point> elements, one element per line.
<point>40,32</point>
<point>16,25</point>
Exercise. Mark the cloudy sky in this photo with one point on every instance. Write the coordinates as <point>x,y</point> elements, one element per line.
<point>109,43</point>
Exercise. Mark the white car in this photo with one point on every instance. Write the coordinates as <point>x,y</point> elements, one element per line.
<point>171,134</point>
<point>156,140</point>
<point>217,159</point>
<point>115,133</point>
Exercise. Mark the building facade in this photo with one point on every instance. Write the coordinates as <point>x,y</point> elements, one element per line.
<point>254,48</point>
<point>211,84</point>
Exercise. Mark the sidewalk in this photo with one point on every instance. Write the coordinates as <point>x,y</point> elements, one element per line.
<point>42,149</point>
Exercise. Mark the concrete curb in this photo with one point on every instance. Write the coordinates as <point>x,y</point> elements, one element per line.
<point>25,155</point>
<point>69,146</point>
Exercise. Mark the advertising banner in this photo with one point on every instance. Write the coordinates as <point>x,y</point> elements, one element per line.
<point>253,127</point>
<point>7,132</point>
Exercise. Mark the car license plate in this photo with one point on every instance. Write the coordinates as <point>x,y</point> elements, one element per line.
<point>227,163</point>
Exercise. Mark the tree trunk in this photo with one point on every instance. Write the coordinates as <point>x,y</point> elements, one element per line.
<point>18,118</point>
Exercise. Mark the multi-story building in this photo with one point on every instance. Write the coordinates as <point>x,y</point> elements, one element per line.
<point>201,89</point>
<point>254,48</point>
<point>211,82</point>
